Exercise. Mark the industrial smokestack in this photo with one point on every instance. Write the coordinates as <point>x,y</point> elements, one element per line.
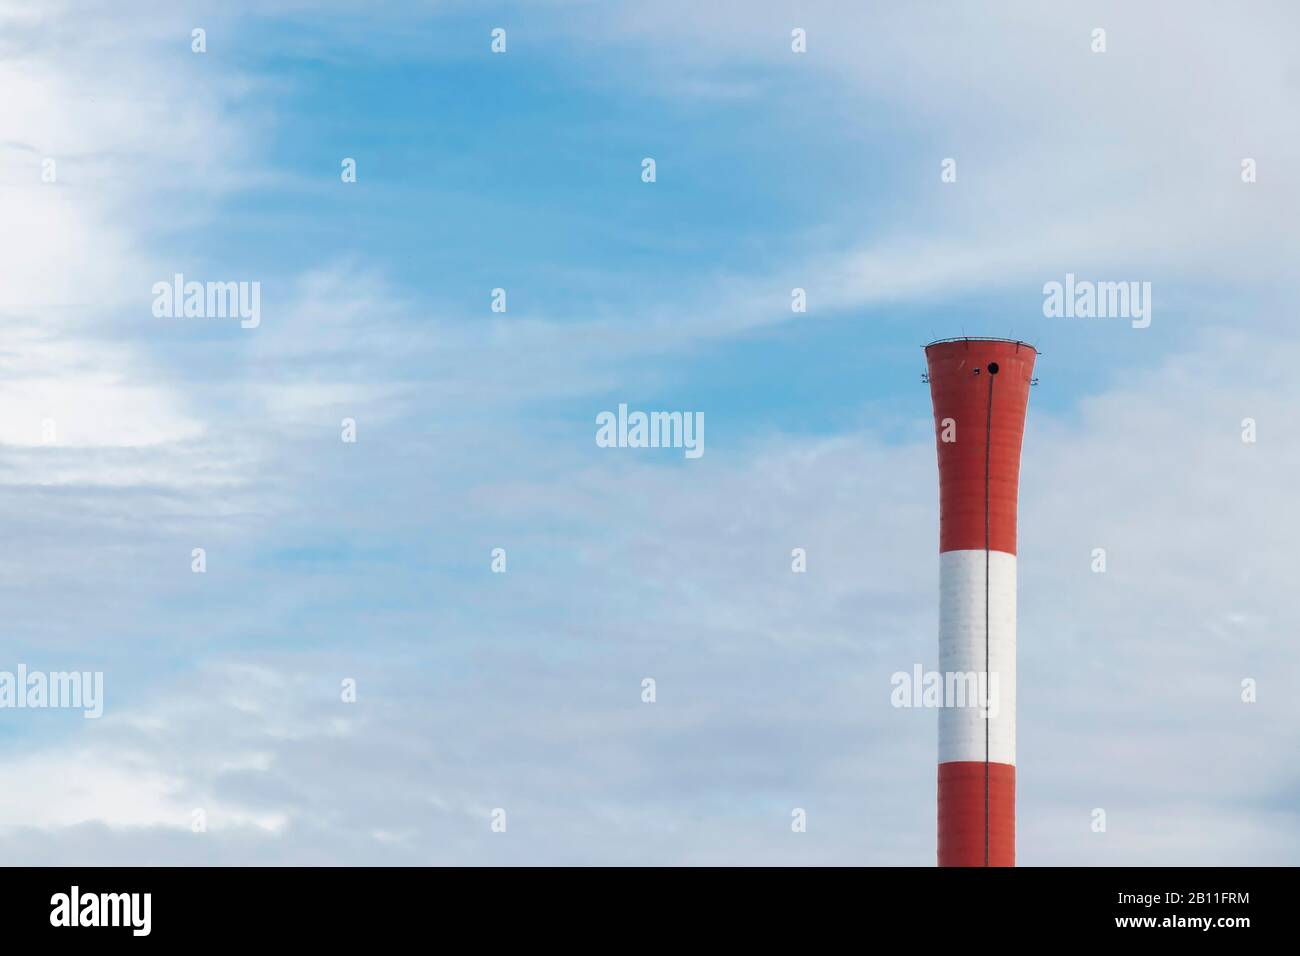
<point>980,389</point>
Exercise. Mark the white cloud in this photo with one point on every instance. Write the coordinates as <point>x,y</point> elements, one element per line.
<point>523,690</point>
<point>774,687</point>
<point>1066,159</point>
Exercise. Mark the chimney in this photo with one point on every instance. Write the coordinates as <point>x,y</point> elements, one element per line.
<point>980,390</point>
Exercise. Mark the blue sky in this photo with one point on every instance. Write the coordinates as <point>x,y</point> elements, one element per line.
<point>371,561</point>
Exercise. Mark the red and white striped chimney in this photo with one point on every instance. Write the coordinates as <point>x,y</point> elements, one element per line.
<point>980,390</point>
